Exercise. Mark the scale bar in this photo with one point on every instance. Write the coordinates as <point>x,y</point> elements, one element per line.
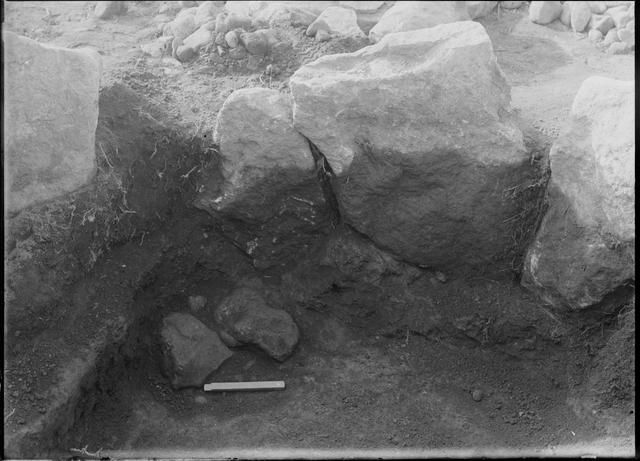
<point>245,386</point>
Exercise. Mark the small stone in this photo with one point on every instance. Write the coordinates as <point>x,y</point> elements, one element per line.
<point>544,12</point>
<point>611,37</point>
<point>322,36</point>
<point>604,24</point>
<point>477,395</point>
<point>580,16</point>
<point>185,53</point>
<point>598,7</point>
<point>595,35</point>
<point>618,48</point>
<point>15,394</point>
<point>257,43</point>
<point>626,36</point>
<point>107,10</point>
<point>197,302</point>
<point>236,21</point>
<point>440,277</point>
<point>231,38</point>
<point>21,421</point>
<point>238,53</point>
<point>565,15</point>
<point>42,410</point>
<point>221,27</point>
<point>200,399</point>
<point>228,340</point>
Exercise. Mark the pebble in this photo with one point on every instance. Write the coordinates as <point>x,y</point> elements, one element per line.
<point>231,38</point>
<point>322,35</point>
<point>626,36</point>
<point>595,35</point>
<point>440,277</point>
<point>200,399</point>
<point>477,395</point>
<point>618,48</point>
<point>197,302</point>
<point>611,37</point>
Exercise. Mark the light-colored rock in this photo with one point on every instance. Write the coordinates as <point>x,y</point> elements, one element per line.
<point>109,9</point>
<point>158,47</point>
<point>627,36</point>
<point>237,21</point>
<point>511,5</point>
<point>312,7</point>
<point>405,16</point>
<point>259,149</point>
<point>276,13</point>
<point>595,35</point>
<point>259,42</point>
<point>246,316</point>
<point>338,22</point>
<point>184,24</point>
<point>190,350</point>
<point>598,7</point>
<point>240,8</point>
<point>611,37</point>
<point>169,8</point>
<point>363,6</point>
<point>185,53</point>
<point>207,11</point>
<point>580,16</point>
<point>585,247</point>
<point>604,24</point>
<point>232,39</point>
<point>198,39</point>
<point>368,13</point>
<point>544,12</point>
<point>322,36</point>
<point>50,118</point>
<point>618,48</point>
<point>565,14</point>
<point>391,145</point>
<point>187,4</point>
<point>620,15</point>
<point>197,303</point>
<point>480,9</point>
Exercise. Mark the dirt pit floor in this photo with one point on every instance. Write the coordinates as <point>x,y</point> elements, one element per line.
<point>408,366</point>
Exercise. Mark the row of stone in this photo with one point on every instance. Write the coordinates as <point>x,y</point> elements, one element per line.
<point>192,351</point>
<point>610,25</point>
<point>422,148</point>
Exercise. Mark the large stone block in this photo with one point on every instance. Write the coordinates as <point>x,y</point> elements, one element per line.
<point>50,119</point>
<point>417,130</point>
<point>585,247</point>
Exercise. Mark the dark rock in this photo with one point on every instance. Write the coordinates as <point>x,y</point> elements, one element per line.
<point>191,351</point>
<point>246,316</point>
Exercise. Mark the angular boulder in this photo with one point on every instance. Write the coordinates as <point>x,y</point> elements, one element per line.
<point>246,317</point>
<point>406,16</point>
<point>417,130</point>
<point>338,22</point>
<point>262,155</point>
<point>190,350</point>
<point>50,117</point>
<point>266,179</point>
<point>585,247</point>
<point>545,12</point>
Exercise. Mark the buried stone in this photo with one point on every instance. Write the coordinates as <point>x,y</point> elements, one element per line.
<point>246,317</point>
<point>191,351</point>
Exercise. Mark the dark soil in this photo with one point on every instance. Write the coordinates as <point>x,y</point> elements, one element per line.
<point>391,356</point>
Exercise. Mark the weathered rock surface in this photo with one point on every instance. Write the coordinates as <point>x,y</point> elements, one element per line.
<point>368,13</point>
<point>275,13</point>
<point>184,24</point>
<point>598,7</point>
<point>50,119</point>
<point>580,16</point>
<point>207,11</point>
<point>405,16</point>
<point>337,21</point>
<point>620,15</point>
<point>545,12</point>
<point>191,351</point>
<point>266,179</point>
<point>480,9</point>
<point>585,247</point>
<point>420,172</point>
<point>604,24</point>
<point>246,316</point>
<point>198,39</point>
<point>565,14</point>
<point>109,9</point>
